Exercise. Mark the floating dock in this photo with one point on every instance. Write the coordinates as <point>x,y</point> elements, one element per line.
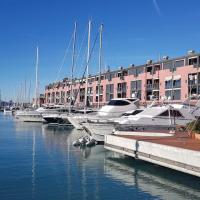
<point>179,151</point>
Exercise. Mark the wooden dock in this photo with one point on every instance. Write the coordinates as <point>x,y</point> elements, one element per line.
<point>178,152</point>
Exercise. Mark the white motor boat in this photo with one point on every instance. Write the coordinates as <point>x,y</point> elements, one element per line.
<point>29,115</point>
<point>56,117</point>
<point>164,117</point>
<point>115,108</point>
<point>104,122</point>
<point>7,110</point>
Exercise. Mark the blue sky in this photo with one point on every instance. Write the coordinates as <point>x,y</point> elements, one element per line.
<point>134,31</point>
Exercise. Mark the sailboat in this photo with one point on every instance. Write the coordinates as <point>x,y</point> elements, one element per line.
<point>32,115</point>
<point>76,120</point>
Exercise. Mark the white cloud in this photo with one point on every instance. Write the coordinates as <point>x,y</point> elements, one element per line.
<point>156,7</point>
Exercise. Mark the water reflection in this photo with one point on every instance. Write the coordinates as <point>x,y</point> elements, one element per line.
<point>157,181</point>
<point>66,172</point>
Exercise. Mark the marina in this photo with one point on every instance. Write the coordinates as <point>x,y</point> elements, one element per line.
<point>100,100</point>
<point>39,161</point>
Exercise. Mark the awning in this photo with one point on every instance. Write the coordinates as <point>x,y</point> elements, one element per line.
<point>176,77</point>
<point>168,78</point>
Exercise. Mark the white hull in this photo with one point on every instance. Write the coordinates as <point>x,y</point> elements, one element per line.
<point>30,119</point>
<point>99,130</point>
<point>155,121</point>
<point>7,112</point>
<point>29,116</point>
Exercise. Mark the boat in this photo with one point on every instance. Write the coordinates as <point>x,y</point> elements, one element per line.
<point>82,115</point>
<point>165,117</point>
<point>104,122</point>
<point>7,110</point>
<point>56,116</point>
<point>32,115</point>
<point>153,118</point>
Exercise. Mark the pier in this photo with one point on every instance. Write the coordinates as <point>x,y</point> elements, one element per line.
<point>178,152</point>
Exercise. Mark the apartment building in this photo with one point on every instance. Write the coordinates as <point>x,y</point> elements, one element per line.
<point>176,78</point>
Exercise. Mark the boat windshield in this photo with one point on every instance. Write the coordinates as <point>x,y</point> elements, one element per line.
<point>118,103</point>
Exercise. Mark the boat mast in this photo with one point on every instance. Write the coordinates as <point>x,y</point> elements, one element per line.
<point>0,98</point>
<point>36,78</point>
<point>87,67</point>
<point>100,61</point>
<point>72,69</point>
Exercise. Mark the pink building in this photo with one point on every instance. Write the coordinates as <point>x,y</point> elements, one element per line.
<point>178,78</point>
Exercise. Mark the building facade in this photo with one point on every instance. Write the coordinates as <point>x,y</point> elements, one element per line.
<point>177,79</point>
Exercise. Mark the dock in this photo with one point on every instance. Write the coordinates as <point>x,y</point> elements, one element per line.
<point>179,152</point>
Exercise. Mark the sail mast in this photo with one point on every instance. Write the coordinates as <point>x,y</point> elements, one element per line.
<point>72,69</point>
<point>36,78</point>
<point>87,67</point>
<point>100,61</point>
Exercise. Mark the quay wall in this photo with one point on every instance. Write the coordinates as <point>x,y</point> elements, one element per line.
<point>184,160</point>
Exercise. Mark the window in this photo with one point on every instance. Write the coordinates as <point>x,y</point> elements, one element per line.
<point>177,83</point>
<point>109,92</point>
<point>118,103</point>
<point>177,95</point>
<point>110,76</point>
<point>174,94</point>
<point>173,113</point>
<point>150,69</point>
<point>168,84</point>
<point>109,96</point>
<point>179,63</point>
<point>193,61</point>
<point>133,113</point>
<point>168,65</point>
<point>135,71</point>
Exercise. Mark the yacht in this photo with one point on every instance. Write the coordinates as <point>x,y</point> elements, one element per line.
<point>57,117</point>
<point>165,117</point>
<point>31,115</point>
<point>7,110</point>
<point>159,118</point>
<point>104,121</point>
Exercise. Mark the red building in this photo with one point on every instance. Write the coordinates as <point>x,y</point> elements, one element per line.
<point>177,78</point>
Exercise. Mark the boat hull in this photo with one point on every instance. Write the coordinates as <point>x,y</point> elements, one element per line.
<point>99,130</point>
<point>30,118</point>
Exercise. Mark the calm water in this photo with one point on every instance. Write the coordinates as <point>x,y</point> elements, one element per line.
<point>39,162</point>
